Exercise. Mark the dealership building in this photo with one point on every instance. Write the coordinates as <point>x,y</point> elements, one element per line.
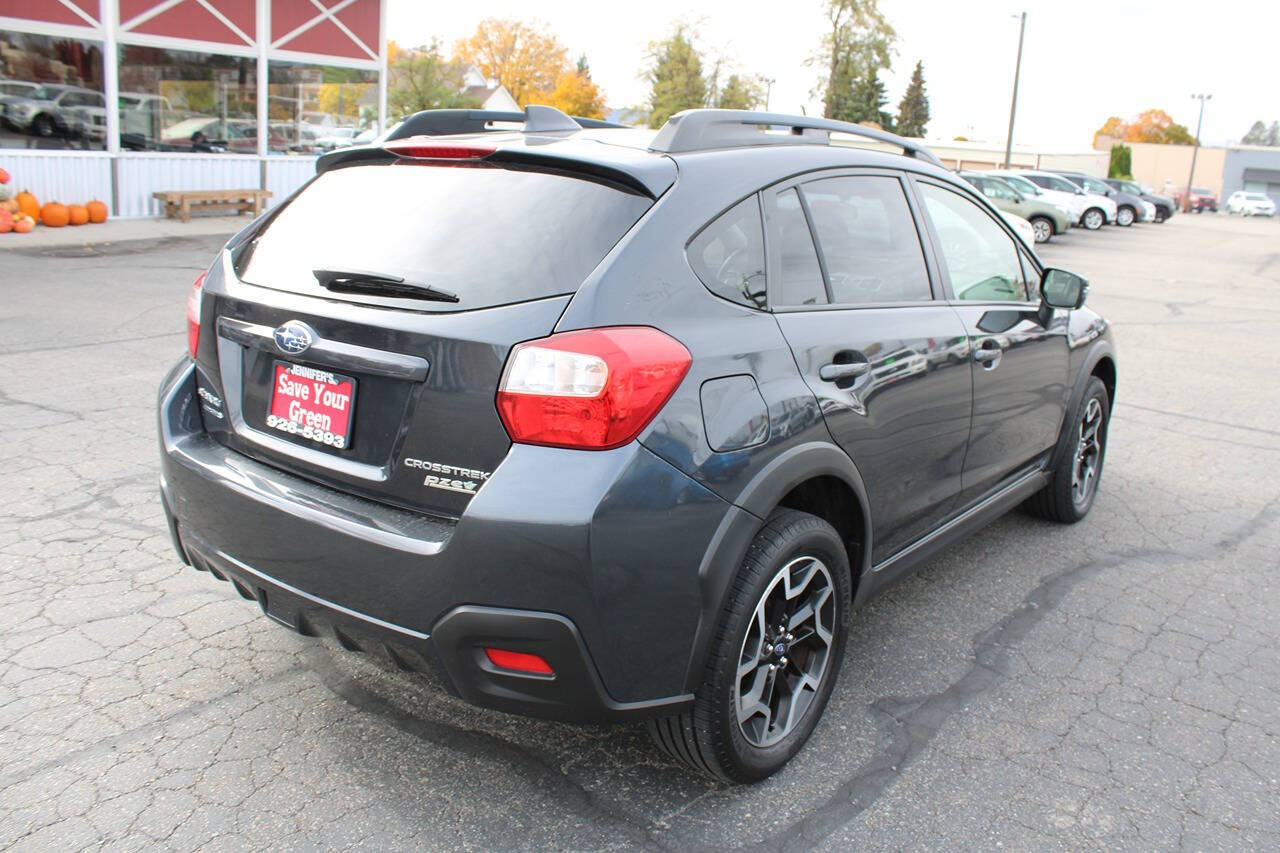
<point>211,94</point>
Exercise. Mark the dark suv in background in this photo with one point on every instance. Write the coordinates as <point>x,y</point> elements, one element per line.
<point>600,425</point>
<point>1165,206</point>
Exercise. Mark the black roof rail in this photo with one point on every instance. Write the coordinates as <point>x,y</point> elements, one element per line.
<point>700,130</point>
<point>536,119</point>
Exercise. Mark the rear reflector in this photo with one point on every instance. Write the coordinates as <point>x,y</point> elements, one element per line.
<point>193,315</point>
<point>426,150</point>
<point>592,390</point>
<point>518,661</point>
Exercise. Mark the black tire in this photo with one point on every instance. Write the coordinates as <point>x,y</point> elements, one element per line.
<point>1043,228</point>
<point>1126,216</point>
<point>709,737</point>
<point>1093,219</point>
<point>1061,500</point>
<point>1161,215</point>
<point>43,126</point>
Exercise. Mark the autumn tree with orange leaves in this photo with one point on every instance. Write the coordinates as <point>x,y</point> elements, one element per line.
<point>1150,126</point>
<point>533,66</point>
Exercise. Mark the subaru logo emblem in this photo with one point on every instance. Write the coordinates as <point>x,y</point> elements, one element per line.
<point>294,338</point>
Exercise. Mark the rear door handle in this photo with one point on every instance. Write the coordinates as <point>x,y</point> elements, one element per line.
<point>836,372</point>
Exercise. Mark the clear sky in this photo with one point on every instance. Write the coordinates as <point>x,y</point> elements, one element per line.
<point>1083,60</point>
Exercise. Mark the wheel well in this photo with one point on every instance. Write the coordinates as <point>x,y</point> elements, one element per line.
<point>1105,370</point>
<point>832,500</point>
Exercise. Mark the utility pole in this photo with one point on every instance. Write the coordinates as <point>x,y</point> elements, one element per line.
<point>1013,107</point>
<point>769,81</point>
<point>1186,199</point>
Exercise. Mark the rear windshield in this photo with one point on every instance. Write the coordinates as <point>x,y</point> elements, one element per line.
<point>492,236</point>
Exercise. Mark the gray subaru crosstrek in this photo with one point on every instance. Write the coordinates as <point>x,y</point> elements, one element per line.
<point>593,424</point>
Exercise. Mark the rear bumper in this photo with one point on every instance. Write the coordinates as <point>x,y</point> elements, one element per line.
<point>597,562</point>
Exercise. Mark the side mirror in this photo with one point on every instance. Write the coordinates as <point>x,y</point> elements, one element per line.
<point>1062,289</point>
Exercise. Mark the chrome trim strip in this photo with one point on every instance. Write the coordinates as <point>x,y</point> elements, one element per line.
<point>340,356</point>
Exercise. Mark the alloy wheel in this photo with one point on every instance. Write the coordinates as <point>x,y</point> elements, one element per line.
<point>1125,217</point>
<point>786,651</point>
<point>1042,230</point>
<point>1084,474</point>
<point>1093,220</point>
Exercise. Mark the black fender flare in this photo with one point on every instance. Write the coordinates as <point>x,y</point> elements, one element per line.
<point>1100,349</point>
<point>728,547</point>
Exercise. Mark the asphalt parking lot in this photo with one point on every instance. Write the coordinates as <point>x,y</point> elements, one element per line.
<point>1114,684</point>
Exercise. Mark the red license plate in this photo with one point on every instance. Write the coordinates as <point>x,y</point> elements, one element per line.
<point>313,404</point>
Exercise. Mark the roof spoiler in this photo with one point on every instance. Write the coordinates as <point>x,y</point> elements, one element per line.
<point>701,130</point>
<point>535,118</point>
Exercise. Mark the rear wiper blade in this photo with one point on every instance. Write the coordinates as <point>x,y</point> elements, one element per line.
<point>380,284</point>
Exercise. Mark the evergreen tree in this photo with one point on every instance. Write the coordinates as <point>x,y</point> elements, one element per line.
<point>740,93</point>
<point>1257,134</point>
<point>859,40</point>
<point>1121,165</point>
<point>583,68</point>
<point>1273,135</point>
<point>868,100</point>
<point>913,110</point>
<point>675,77</point>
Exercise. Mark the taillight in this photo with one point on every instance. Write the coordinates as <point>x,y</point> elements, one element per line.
<point>595,389</point>
<point>193,315</point>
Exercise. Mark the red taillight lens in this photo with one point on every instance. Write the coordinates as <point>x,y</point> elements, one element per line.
<point>193,315</point>
<point>592,390</point>
<point>424,149</point>
<point>518,661</point>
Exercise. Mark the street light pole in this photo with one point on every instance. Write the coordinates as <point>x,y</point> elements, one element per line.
<point>1186,199</point>
<point>769,81</point>
<point>1013,107</point>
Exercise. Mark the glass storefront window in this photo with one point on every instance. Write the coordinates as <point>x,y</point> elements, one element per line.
<point>177,100</point>
<point>50,92</point>
<point>315,108</point>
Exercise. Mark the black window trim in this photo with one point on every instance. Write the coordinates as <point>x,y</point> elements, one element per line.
<point>987,208</point>
<point>932,269</point>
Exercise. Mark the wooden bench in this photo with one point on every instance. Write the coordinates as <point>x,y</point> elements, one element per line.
<point>181,203</point>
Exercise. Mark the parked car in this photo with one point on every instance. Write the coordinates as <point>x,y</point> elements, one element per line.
<point>1251,204</point>
<point>1202,199</point>
<point>17,88</point>
<point>141,117</point>
<point>1129,207</point>
<point>337,137</point>
<point>1070,203</point>
<point>1020,226</point>
<point>1098,209</point>
<point>1164,206</point>
<point>48,109</point>
<point>1042,218</point>
<point>642,469</point>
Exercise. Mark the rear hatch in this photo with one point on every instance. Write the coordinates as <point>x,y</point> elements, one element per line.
<point>359,384</point>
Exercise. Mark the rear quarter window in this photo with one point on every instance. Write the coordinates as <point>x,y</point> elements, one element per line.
<point>493,236</point>
<point>728,255</point>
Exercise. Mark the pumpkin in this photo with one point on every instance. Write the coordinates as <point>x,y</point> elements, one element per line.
<point>6,222</point>
<point>54,214</point>
<point>97,212</point>
<point>28,204</point>
<point>77,214</point>
<point>4,177</point>
<point>9,206</point>
<point>23,224</point>
<point>6,193</point>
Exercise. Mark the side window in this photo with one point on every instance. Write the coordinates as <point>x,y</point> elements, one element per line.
<point>869,240</point>
<point>799,276</point>
<point>981,258</point>
<point>728,255</point>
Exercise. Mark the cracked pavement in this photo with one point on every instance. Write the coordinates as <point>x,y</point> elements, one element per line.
<point>1113,684</point>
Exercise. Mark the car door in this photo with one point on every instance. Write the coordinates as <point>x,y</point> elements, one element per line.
<point>850,285</point>
<point>1019,344</point>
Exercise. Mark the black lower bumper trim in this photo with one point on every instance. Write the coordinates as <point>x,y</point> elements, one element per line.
<point>453,653</point>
